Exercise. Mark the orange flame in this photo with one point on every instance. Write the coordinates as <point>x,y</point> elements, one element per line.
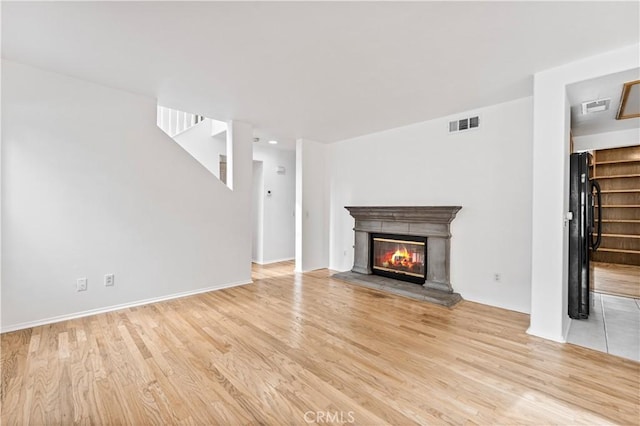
<point>400,257</point>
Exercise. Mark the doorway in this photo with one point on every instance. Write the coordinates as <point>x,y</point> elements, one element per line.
<point>613,323</point>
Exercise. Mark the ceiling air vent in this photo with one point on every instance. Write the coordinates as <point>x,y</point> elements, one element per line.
<point>598,105</point>
<point>464,124</point>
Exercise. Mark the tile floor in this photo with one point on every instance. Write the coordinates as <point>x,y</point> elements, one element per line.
<point>613,326</point>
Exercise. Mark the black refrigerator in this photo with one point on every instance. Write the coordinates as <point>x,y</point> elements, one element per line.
<point>585,232</point>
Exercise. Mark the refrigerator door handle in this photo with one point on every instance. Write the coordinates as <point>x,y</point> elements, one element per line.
<point>595,244</point>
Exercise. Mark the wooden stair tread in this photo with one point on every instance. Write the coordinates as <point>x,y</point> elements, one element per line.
<point>621,235</point>
<point>619,191</point>
<point>620,221</point>
<point>618,250</point>
<point>626,160</point>
<point>616,176</point>
<point>619,205</point>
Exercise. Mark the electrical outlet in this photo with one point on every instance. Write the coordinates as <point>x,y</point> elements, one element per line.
<point>81,284</point>
<point>109,280</point>
<point>497,277</point>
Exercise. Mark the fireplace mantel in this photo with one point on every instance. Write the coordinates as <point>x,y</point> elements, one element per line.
<point>432,222</point>
<point>411,214</point>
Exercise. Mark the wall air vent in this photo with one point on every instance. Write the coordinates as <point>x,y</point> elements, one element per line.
<point>464,124</point>
<point>598,105</point>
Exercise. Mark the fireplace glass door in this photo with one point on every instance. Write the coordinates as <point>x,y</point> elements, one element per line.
<point>401,257</point>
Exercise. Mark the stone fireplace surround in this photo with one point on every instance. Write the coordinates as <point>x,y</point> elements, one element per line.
<point>432,222</point>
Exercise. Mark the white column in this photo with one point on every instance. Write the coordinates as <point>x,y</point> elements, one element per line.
<point>312,206</point>
<point>239,155</point>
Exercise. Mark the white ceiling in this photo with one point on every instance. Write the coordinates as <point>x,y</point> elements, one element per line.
<point>325,71</point>
<point>608,86</point>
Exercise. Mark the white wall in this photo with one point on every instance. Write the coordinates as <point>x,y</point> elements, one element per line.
<point>199,142</point>
<point>257,209</point>
<point>92,186</point>
<point>551,185</point>
<point>239,179</point>
<point>312,206</point>
<point>1,186</point>
<point>278,241</point>
<point>486,171</point>
<point>606,140</point>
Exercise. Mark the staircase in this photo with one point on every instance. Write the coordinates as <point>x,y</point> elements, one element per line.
<point>205,139</point>
<point>618,172</point>
<point>174,122</point>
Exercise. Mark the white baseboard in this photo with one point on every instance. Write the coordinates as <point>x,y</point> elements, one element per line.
<point>311,269</point>
<point>66,317</point>
<point>554,337</point>
<point>269,262</point>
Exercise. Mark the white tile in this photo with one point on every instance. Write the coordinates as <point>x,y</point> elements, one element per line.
<point>622,326</point>
<point>588,333</point>
<point>613,326</point>
<point>626,349</point>
<point>619,303</point>
<point>595,308</point>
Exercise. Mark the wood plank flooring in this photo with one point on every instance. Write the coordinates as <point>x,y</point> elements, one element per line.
<point>618,280</point>
<point>304,348</point>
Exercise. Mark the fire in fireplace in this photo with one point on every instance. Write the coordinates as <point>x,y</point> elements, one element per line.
<point>402,257</point>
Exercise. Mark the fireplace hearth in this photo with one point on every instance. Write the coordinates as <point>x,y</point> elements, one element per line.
<point>407,243</point>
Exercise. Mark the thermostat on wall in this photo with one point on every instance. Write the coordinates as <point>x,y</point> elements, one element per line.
<point>280,170</point>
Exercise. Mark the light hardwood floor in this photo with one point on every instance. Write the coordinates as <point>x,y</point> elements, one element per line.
<point>619,280</point>
<point>292,344</point>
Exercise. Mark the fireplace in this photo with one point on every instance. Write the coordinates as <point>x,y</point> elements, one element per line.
<point>402,257</point>
<point>432,223</point>
<point>396,244</point>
